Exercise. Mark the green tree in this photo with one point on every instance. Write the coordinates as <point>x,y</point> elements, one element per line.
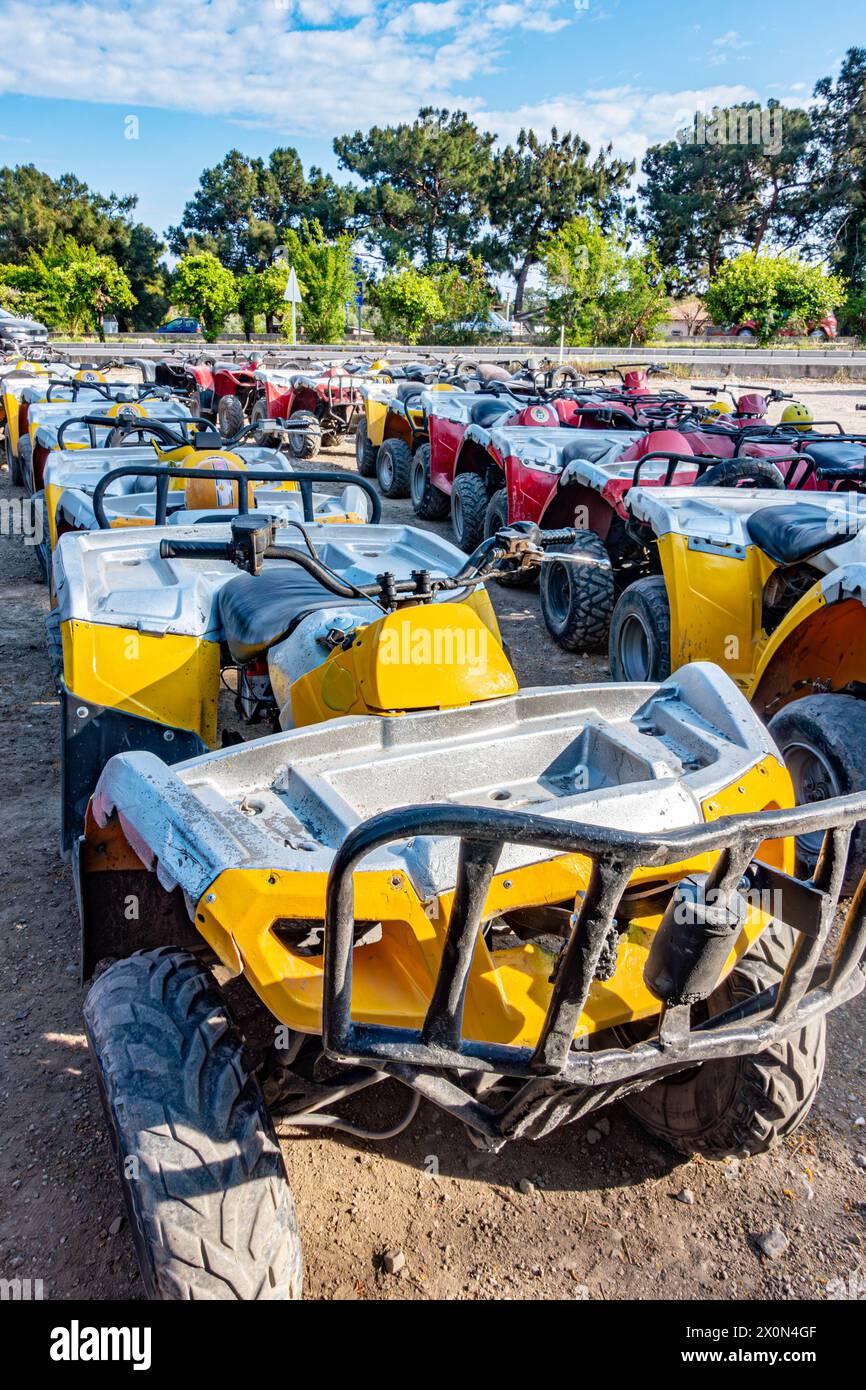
<point>839,166</point>
<point>243,208</point>
<point>326,279</point>
<point>602,290</point>
<point>774,291</point>
<point>464,293</point>
<point>37,211</point>
<point>69,286</point>
<point>408,302</point>
<point>425,184</point>
<point>206,290</point>
<point>729,182</point>
<point>260,292</point>
<point>536,187</point>
<point>95,285</point>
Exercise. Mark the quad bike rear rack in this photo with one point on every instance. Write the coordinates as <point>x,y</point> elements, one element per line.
<point>702,463</point>
<point>689,953</point>
<point>165,474</point>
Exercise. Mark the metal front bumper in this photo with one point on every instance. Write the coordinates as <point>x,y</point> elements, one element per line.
<point>428,1058</point>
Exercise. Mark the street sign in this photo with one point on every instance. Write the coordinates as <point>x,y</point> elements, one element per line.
<point>292,295</point>
<point>292,292</point>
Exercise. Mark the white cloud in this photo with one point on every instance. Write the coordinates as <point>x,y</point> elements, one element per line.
<point>426,17</point>
<point>630,118</point>
<point>731,40</point>
<point>316,68</point>
<point>305,67</point>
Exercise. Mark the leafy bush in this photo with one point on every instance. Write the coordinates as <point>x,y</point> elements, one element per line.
<point>68,286</point>
<point>205,290</point>
<point>326,278</point>
<point>261,293</point>
<point>408,302</point>
<point>465,295</point>
<point>773,291</point>
<point>600,290</point>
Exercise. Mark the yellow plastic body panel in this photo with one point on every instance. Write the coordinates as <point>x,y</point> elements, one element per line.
<point>376,413</point>
<point>10,411</point>
<point>818,642</point>
<point>431,656</point>
<point>509,990</point>
<point>715,604</point>
<point>716,615</point>
<point>173,679</point>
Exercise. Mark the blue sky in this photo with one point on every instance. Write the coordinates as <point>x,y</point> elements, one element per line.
<point>203,76</point>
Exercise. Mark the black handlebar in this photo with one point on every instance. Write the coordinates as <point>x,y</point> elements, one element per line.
<point>252,542</point>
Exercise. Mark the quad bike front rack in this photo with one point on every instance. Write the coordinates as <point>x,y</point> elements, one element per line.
<point>692,945</point>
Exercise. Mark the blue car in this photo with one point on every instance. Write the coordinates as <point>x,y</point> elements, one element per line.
<point>180,326</point>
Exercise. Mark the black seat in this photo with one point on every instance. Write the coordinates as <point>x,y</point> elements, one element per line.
<point>790,533</point>
<point>256,611</point>
<point>838,460</point>
<point>407,389</point>
<point>488,409</point>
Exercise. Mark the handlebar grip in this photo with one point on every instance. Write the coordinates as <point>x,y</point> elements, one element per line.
<point>194,550</point>
<point>564,537</point>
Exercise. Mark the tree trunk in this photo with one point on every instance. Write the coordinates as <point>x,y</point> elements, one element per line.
<point>520,286</point>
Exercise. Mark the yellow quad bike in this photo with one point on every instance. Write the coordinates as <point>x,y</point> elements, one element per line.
<point>520,907</point>
<point>137,481</point>
<point>391,429</point>
<point>151,622</point>
<point>18,376</point>
<point>46,417</point>
<point>772,587</point>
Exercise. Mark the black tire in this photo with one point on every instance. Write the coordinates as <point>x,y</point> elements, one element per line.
<point>365,452</point>
<point>230,416</point>
<point>394,468</point>
<point>24,462</point>
<point>307,444</point>
<point>740,1105</point>
<point>210,1209</point>
<point>822,739</point>
<point>577,596</point>
<point>743,472</point>
<point>267,438</point>
<point>428,501</point>
<point>468,509</point>
<point>495,518</point>
<point>11,461</point>
<point>640,633</point>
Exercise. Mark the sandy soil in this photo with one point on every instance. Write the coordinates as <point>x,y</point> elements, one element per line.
<point>597,1211</point>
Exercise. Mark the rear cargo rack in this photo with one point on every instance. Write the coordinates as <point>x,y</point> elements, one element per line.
<point>427,1058</point>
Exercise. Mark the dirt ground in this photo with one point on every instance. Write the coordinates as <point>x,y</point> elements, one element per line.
<point>598,1211</point>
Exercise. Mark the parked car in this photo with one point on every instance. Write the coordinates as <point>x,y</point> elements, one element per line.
<point>180,325</point>
<point>16,332</point>
<point>821,330</point>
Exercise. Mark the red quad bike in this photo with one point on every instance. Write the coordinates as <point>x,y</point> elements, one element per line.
<point>579,592</point>
<point>463,460</point>
<point>219,391</point>
<point>325,403</point>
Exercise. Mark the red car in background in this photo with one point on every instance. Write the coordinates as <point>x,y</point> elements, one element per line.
<point>823,330</point>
